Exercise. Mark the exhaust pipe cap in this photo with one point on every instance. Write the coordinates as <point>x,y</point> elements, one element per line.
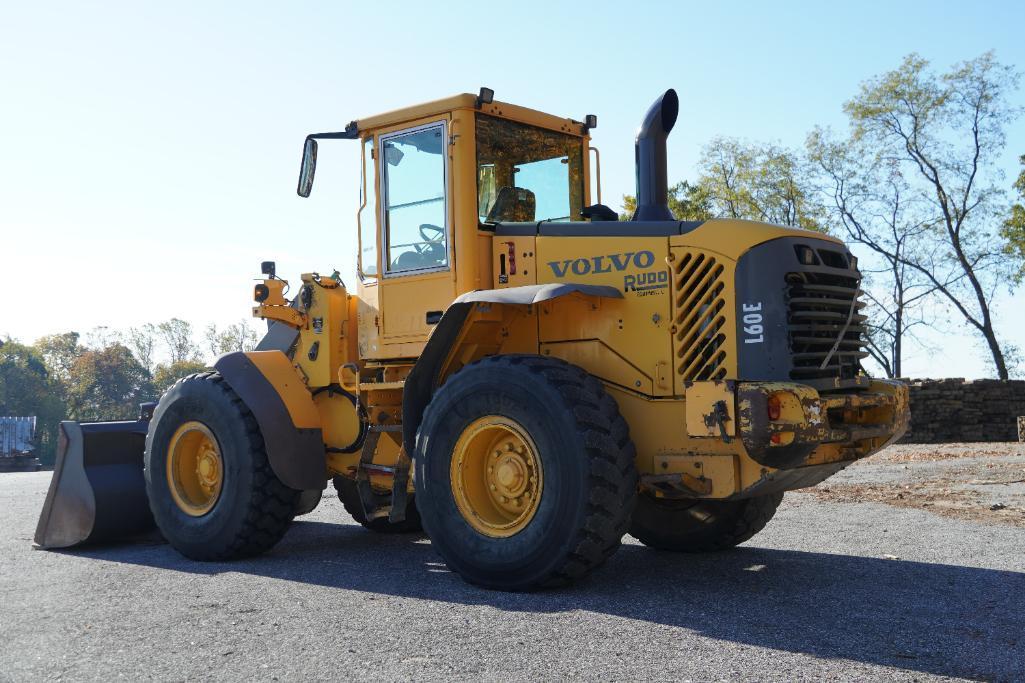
<point>650,151</point>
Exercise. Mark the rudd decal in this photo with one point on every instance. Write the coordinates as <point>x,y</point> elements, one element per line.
<point>644,283</point>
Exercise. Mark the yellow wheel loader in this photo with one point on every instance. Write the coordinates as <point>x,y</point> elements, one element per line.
<point>518,373</point>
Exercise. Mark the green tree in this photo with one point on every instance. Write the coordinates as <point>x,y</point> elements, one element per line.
<point>166,375</point>
<point>687,203</point>
<point>60,351</point>
<point>107,384</point>
<point>747,181</point>
<point>761,182</point>
<point>1013,229</point>
<point>945,132</point>
<point>27,388</point>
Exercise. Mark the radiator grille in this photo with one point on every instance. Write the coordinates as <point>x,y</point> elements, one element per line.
<point>700,317</point>
<point>818,306</point>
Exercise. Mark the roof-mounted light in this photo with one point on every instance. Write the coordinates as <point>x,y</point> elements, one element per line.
<point>486,96</point>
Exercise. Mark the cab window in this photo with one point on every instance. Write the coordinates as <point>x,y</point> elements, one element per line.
<point>415,225</point>
<point>526,173</point>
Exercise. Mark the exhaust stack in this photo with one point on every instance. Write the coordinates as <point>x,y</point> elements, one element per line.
<point>650,150</point>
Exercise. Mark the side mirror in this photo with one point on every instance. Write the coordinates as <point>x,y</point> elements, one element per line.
<point>393,155</point>
<point>308,168</point>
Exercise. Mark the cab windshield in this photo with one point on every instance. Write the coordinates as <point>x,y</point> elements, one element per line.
<point>525,173</point>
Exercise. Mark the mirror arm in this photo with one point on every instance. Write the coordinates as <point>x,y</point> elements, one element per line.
<point>351,132</point>
<point>309,161</point>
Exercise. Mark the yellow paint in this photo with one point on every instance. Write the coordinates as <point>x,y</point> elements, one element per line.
<point>275,306</point>
<point>636,327</point>
<point>496,476</point>
<point>275,292</point>
<point>732,238</point>
<point>339,419</point>
<point>195,468</point>
<point>467,102</point>
<point>285,314</point>
<point>324,326</point>
<point>599,360</point>
<point>405,302</point>
<point>492,329</point>
<point>720,470</point>
<point>513,253</point>
<point>279,371</point>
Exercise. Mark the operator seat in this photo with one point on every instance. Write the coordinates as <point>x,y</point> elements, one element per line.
<point>513,205</point>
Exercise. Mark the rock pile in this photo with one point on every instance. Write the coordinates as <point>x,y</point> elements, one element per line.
<point>954,410</point>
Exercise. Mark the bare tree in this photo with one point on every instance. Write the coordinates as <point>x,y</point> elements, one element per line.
<point>101,336</point>
<point>177,337</point>
<point>143,342</point>
<point>945,132</point>
<point>871,201</point>
<point>240,336</point>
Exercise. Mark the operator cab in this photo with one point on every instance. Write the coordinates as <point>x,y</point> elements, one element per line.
<point>436,180</point>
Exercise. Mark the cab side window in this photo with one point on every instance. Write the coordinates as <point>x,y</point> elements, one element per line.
<point>367,222</point>
<point>415,210</point>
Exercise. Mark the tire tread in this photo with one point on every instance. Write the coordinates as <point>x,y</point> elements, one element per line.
<point>605,436</point>
<point>271,505</point>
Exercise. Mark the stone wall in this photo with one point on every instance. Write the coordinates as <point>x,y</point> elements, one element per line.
<point>954,411</point>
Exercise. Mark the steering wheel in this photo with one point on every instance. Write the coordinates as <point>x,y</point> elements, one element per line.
<point>427,230</point>
<point>433,237</point>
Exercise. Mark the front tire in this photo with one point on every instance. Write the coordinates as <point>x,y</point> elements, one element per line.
<point>525,474</point>
<point>697,526</point>
<point>210,485</point>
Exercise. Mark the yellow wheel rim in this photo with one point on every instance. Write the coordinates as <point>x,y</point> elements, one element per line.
<point>496,476</point>
<point>195,469</point>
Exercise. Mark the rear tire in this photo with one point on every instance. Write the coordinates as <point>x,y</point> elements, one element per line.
<point>349,495</point>
<point>252,510</point>
<point>576,443</point>
<point>697,526</point>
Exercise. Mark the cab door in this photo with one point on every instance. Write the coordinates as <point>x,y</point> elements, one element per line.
<point>418,275</point>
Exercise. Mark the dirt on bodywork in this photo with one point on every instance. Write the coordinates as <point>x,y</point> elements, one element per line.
<point>983,482</point>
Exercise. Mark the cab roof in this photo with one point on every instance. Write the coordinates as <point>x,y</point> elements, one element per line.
<point>468,101</point>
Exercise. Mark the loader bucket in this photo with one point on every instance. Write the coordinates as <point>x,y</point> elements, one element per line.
<point>97,492</point>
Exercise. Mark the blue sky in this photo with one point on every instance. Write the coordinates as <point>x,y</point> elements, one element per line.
<point>148,152</point>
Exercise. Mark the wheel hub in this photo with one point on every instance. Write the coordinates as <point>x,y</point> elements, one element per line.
<point>496,476</point>
<point>195,469</point>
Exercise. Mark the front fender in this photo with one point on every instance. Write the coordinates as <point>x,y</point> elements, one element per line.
<point>289,421</point>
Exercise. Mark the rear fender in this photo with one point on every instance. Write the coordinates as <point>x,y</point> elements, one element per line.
<point>283,407</point>
<point>431,367</point>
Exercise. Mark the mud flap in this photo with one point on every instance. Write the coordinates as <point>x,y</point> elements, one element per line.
<point>97,492</point>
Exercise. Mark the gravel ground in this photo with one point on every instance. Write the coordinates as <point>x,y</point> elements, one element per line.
<point>816,595</point>
<point>977,481</point>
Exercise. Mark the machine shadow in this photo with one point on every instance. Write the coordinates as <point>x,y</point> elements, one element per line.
<point>876,611</point>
